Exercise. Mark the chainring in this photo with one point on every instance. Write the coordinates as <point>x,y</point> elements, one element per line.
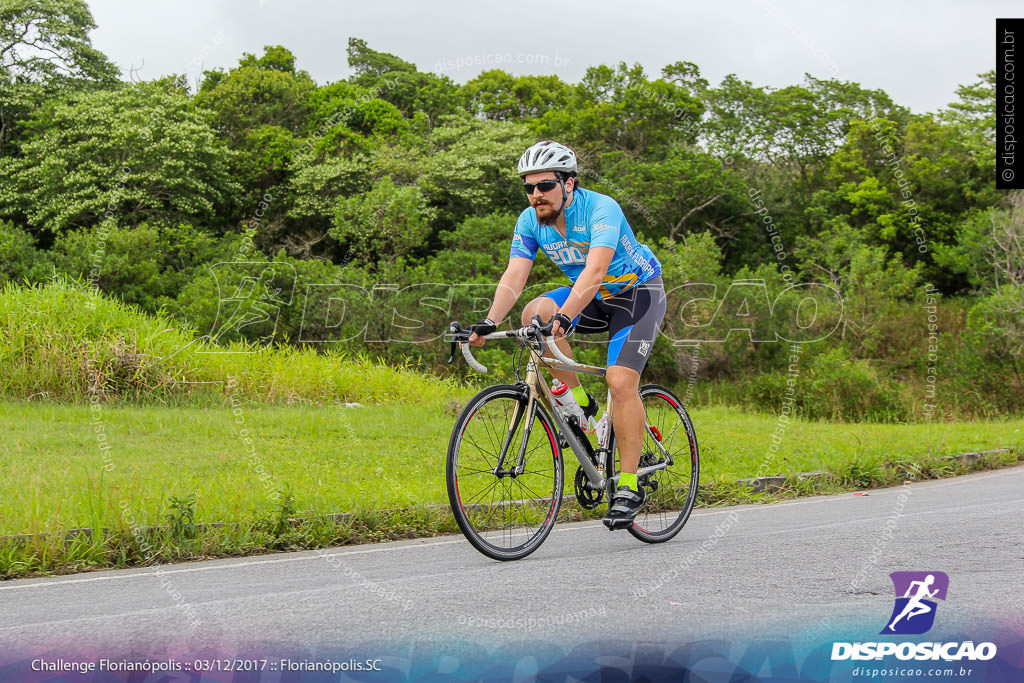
<point>587,498</point>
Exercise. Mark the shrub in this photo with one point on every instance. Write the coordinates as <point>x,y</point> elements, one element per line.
<point>146,265</point>
<point>20,261</point>
<point>838,388</point>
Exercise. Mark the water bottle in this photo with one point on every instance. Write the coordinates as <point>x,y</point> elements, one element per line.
<point>567,403</point>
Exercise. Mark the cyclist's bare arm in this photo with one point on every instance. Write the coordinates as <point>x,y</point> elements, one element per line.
<point>587,284</point>
<point>511,285</point>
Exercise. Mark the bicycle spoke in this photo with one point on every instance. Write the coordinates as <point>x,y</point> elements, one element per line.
<point>473,441</point>
<point>472,501</point>
<point>521,508</point>
<point>524,487</point>
<point>491,433</point>
<point>533,472</point>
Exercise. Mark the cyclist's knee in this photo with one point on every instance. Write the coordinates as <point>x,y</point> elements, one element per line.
<point>623,382</point>
<point>542,306</point>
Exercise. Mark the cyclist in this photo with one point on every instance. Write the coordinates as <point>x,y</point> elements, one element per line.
<point>616,288</point>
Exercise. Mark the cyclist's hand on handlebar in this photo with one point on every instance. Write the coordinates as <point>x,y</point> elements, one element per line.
<point>484,327</point>
<point>559,326</point>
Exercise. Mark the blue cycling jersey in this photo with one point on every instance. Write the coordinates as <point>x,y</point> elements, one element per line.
<point>592,220</point>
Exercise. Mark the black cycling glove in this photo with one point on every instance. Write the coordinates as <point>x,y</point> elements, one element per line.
<point>484,327</point>
<point>564,322</point>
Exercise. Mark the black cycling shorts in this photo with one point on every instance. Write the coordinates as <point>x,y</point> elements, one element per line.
<point>631,319</point>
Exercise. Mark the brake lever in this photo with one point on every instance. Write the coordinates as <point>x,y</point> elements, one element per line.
<point>455,329</point>
<point>543,328</point>
<point>540,331</point>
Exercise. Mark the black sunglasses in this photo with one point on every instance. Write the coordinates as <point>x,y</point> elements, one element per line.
<point>543,186</point>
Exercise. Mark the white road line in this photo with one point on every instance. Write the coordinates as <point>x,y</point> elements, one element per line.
<point>313,555</point>
<point>307,555</point>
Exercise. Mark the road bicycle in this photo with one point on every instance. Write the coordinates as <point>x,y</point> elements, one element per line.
<point>504,469</point>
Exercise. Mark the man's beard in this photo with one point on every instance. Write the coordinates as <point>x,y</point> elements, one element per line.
<point>549,219</point>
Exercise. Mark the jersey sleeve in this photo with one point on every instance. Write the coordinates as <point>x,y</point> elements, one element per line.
<point>606,223</point>
<point>523,243</point>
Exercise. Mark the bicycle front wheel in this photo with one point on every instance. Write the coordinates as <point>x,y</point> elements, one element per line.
<point>504,473</point>
<point>671,492</point>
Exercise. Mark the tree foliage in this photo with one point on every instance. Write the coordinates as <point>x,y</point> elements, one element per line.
<point>260,91</point>
<point>44,46</point>
<point>388,221</point>
<point>47,40</point>
<point>138,153</point>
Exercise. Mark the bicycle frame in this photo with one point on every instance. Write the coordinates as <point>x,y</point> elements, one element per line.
<point>540,393</point>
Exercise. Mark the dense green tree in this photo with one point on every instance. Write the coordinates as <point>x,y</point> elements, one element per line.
<point>474,250</point>
<point>686,191</point>
<point>869,279</point>
<point>144,265</point>
<point>281,300</point>
<point>498,95</point>
<point>799,124</point>
<point>794,129</point>
<point>387,222</point>
<point>906,188</point>
<point>44,46</point>
<point>397,81</point>
<point>995,333</point>
<point>975,112</point>
<point>265,159</point>
<point>686,75</point>
<point>21,261</point>
<point>140,153</point>
<point>354,108</point>
<point>49,39</point>
<point>620,109</point>
<point>468,167</point>
<point>989,247</point>
<point>317,184</point>
<point>260,91</point>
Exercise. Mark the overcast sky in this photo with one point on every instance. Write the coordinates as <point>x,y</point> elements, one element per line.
<point>917,51</point>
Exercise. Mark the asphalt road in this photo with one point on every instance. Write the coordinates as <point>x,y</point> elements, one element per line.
<point>801,568</point>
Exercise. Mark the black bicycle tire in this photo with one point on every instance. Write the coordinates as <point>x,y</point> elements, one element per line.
<point>684,515</point>
<point>451,462</point>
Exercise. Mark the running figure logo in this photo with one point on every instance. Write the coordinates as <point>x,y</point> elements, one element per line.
<point>914,611</point>
<point>258,292</point>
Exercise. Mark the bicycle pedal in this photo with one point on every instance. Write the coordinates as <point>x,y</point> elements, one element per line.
<point>617,524</point>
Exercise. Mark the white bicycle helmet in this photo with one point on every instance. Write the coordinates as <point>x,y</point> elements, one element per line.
<point>547,155</point>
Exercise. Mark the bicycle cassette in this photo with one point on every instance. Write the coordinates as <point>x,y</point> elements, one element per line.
<point>649,459</point>
<point>587,497</point>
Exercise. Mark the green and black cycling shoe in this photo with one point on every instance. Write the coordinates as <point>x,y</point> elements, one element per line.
<point>625,506</point>
<point>589,410</point>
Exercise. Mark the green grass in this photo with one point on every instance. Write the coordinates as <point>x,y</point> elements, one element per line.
<point>734,444</point>
<point>60,343</point>
<point>334,459</point>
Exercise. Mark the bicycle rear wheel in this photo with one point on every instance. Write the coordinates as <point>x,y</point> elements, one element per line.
<point>505,512</point>
<point>671,492</point>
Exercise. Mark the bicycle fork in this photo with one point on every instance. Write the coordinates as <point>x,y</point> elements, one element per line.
<point>517,417</point>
